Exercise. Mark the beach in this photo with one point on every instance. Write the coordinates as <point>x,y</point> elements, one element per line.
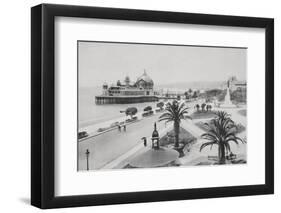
<point>89,113</point>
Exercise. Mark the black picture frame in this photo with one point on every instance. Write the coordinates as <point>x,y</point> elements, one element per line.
<point>43,105</point>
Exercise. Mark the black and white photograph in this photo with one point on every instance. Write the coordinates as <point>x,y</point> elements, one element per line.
<point>146,105</point>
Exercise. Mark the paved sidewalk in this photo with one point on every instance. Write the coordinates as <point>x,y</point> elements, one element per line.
<point>123,160</point>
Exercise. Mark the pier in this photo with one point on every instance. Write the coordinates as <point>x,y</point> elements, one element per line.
<point>124,99</point>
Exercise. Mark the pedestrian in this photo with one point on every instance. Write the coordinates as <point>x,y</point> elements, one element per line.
<point>144,141</point>
<point>124,128</point>
<point>119,128</point>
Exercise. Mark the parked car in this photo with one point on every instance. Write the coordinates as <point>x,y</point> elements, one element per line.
<point>131,119</point>
<point>148,108</point>
<point>83,134</point>
<point>114,124</point>
<point>148,113</point>
<point>102,129</point>
<point>158,110</point>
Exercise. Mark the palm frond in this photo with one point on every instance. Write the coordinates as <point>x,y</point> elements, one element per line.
<point>166,119</point>
<point>211,143</point>
<point>221,130</point>
<point>166,115</point>
<point>231,140</point>
<point>209,136</point>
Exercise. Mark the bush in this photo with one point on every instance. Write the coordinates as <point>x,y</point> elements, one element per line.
<point>243,112</point>
<point>239,127</point>
<point>239,96</point>
<point>160,105</point>
<point>203,114</point>
<point>131,111</point>
<point>213,93</point>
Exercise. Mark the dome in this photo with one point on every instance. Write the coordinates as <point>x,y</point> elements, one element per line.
<point>105,85</point>
<point>145,78</point>
<point>127,80</point>
<point>155,134</point>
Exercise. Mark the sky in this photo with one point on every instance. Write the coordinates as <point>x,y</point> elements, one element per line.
<point>100,62</point>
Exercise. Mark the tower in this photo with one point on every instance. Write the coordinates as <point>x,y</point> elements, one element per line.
<point>104,88</point>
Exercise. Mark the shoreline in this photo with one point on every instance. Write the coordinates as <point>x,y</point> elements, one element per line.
<point>92,130</point>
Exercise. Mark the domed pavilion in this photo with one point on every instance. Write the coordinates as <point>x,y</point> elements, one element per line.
<point>144,81</point>
<point>128,91</point>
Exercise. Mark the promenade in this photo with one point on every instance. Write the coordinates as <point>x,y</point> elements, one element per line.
<point>116,149</point>
<point>107,147</point>
<point>92,130</point>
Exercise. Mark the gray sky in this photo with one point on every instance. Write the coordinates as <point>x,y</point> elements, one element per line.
<point>108,62</point>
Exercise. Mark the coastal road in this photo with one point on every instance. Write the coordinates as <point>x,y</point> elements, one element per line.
<point>106,147</point>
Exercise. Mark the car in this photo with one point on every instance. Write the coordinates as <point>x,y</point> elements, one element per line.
<point>114,124</point>
<point>131,119</point>
<point>82,134</point>
<point>148,113</point>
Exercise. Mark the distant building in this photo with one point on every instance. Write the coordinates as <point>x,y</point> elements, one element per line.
<point>235,84</point>
<point>143,86</point>
<point>128,91</point>
<point>238,85</point>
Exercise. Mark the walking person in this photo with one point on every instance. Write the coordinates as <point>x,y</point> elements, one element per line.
<point>144,141</point>
<point>124,128</point>
<point>119,128</point>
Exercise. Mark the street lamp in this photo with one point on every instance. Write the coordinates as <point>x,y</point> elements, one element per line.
<point>87,156</point>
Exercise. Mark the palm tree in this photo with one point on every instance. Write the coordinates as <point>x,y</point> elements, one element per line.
<point>197,107</point>
<point>195,95</point>
<point>186,95</point>
<point>221,131</point>
<point>203,107</point>
<point>208,107</point>
<point>175,113</point>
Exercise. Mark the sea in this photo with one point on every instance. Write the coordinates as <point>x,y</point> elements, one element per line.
<point>90,113</point>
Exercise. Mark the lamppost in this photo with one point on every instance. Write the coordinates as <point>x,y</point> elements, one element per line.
<point>87,156</point>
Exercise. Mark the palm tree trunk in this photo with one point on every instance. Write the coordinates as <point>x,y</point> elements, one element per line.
<point>177,130</point>
<point>221,154</point>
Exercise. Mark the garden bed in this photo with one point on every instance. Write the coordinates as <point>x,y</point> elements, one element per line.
<point>203,114</point>
<point>243,112</point>
<point>186,139</point>
<point>202,125</point>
